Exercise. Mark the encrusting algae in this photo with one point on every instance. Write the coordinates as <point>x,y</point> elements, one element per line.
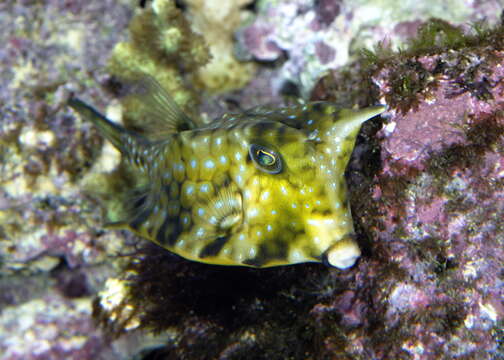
<point>262,188</point>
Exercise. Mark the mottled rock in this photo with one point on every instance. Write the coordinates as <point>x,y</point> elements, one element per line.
<point>311,37</point>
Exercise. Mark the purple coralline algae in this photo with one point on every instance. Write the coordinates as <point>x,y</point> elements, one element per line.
<point>440,203</point>
<point>311,37</point>
<point>433,206</point>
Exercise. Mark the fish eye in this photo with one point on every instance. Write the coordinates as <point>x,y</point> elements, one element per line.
<point>265,159</point>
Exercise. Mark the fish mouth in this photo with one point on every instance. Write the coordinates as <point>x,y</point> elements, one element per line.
<point>343,254</point>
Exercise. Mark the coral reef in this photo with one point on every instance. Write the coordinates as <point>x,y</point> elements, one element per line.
<point>53,253</point>
<point>426,185</point>
<point>35,328</point>
<point>311,37</point>
<point>433,206</point>
<point>217,21</point>
<point>162,45</point>
<point>54,197</point>
<point>427,192</point>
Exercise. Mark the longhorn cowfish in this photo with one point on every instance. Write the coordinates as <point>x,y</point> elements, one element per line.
<point>261,188</point>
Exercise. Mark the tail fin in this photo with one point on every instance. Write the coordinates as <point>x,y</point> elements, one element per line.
<point>112,132</point>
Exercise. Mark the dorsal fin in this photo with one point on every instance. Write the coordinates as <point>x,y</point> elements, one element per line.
<point>162,115</point>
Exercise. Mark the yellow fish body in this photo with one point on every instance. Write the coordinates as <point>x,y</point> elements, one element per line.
<point>262,188</point>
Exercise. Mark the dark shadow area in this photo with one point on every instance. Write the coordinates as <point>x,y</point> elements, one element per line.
<point>229,295</point>
<point>212,307</point>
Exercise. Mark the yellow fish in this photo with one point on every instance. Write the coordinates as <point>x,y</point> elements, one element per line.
<point>261,188</point>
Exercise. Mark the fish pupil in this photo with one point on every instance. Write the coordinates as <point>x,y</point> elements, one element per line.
<point>265,158</point>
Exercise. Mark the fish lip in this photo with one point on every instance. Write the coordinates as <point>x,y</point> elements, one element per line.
<point>343,254</point>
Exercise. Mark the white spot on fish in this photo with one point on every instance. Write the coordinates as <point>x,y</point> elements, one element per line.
<point>178,167</point>
<point>239,179</point>
<point>296,255</point>
<point>209,164</point>
<point>247,194</point>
